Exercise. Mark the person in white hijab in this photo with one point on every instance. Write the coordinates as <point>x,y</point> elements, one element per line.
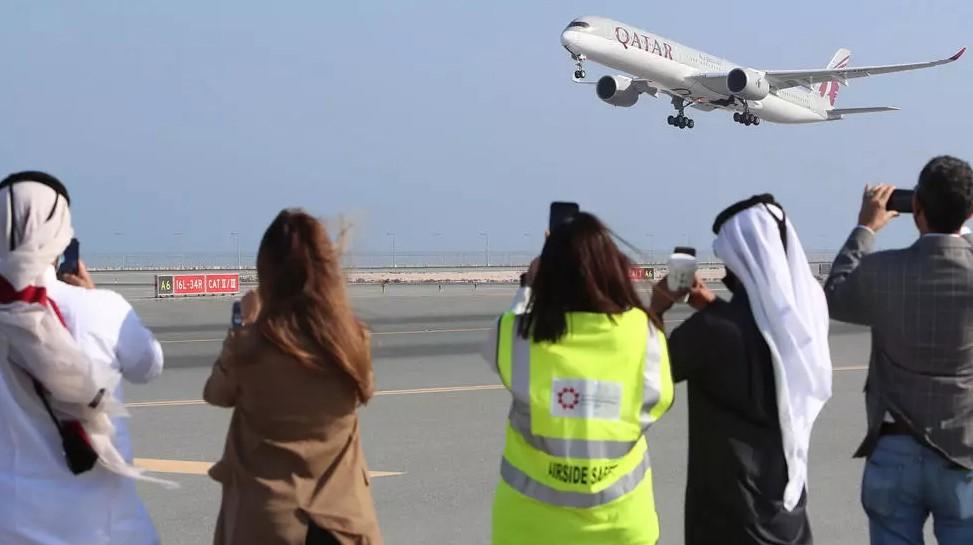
<point>55,404</point>
<point>758,369</point>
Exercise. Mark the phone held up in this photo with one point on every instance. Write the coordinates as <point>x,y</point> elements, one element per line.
<point>901,201</point>
<point>71,258</point>
<point>236,318</point>
<point>562,212</point>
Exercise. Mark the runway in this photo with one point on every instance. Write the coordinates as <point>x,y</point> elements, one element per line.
<point>434,434</point>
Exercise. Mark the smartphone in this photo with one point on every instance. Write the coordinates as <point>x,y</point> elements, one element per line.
<point>236,318</point>
<point>562,212</point>
<point>71,258</point>
<point>901,201</point>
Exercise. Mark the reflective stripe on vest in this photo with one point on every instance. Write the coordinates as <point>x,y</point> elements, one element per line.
<point>514,364</point>
<point>521,482</point>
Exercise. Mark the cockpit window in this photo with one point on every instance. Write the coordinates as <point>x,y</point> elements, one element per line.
<point>578,24</point>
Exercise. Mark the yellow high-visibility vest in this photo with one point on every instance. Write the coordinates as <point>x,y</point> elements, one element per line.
<point>576,465</point>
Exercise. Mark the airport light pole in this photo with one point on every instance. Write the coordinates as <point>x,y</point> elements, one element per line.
<point>178,247</point>
<point>118,234</point>
<point>486,250</point>
<point>393,247</point>
<point>437,236</point>
<point>238,260</point>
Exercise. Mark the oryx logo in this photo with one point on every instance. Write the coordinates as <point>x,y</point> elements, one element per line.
<point>830,88</point>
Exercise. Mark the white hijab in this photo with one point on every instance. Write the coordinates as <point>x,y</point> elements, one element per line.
<point>33,336</point>
<point>791,312</point>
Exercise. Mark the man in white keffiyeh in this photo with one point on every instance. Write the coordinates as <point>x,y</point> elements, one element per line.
<point>758,369</point>
<point>44,502</point>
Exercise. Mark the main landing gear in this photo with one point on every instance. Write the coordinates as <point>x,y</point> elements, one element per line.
<point>746,118</point>
<point>579,59</point>
<point>680,120</point>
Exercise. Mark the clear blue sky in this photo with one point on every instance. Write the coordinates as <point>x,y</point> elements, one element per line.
<point>450,117</point>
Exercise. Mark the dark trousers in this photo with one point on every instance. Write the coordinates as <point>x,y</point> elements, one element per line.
<point>318,536</point>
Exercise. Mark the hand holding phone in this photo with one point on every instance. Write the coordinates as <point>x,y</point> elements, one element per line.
<point>71,259</point>
<point>236,317</point>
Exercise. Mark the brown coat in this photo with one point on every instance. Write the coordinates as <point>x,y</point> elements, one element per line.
<point>293,451</point>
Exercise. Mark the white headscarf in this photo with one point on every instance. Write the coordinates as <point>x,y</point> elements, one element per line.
<point>790,309</point>
<point>32,334</point>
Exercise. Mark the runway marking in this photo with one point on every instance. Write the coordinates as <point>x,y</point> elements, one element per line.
<point>419,332</point>
<point>411,391</point>
<point>187,341</point>
<point>187,467</point>
<point>381,333</point>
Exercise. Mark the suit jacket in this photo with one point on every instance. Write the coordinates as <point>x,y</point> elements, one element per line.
<point>293,452</point>
<point>919,303</point>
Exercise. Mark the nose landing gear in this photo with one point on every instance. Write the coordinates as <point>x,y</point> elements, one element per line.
<point>579,73</point>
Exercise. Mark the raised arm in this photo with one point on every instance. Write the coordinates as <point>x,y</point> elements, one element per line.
<point>222,386</point>
<point>847,288</point>
<point>139,353</point>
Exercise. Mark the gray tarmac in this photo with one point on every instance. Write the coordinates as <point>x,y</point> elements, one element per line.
<point>446,443</point>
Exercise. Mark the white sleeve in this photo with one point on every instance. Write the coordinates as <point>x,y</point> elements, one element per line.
<point>517,306</point>
<point>139,354</point>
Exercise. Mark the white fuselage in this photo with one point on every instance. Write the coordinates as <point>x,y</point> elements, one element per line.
<point>669,65</point>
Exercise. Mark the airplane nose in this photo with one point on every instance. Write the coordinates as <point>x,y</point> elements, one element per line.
<point>569,39</point>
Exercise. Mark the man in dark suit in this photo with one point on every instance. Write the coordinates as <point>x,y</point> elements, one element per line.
<point>919,393</point>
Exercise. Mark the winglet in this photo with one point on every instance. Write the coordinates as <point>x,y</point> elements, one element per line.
<point>958,55</point>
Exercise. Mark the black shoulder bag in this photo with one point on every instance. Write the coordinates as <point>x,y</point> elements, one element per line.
<point>78,453</point>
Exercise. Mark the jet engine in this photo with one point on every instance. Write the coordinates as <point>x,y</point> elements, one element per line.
<point>617,91</point>
<point>747,84</point>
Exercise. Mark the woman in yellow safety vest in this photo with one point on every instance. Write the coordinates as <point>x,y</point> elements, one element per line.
<point>589,373</point>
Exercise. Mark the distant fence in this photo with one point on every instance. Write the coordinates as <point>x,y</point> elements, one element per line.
<point>359,260</point>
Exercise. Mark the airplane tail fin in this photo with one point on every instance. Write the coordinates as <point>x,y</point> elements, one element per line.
<point>829,89</point>
<point>840,60</point>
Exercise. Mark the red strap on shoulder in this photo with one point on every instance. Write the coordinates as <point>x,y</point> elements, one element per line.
<point>31,294</point>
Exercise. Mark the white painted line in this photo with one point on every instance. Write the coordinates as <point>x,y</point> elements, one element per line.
<point>413,391</point>
<point>188,467</point>
<point>381,333</point>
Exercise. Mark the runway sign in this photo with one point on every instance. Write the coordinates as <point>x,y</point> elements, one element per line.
<point>179,285</point>
<point>641,274</point>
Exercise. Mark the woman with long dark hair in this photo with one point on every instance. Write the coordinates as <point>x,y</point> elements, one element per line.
<point>588,371</point>
<point>293,470</point>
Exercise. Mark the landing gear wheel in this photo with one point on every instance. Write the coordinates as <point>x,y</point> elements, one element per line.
<point>682,122</point>
<point>747,121</point>
<point>756,120</point>
<point>690,123</point>
<point>737,117</point>
<point>579,73</point>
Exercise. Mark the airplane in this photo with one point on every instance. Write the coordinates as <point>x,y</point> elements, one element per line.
<point>658,65</point>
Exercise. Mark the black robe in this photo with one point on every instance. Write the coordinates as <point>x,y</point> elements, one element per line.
<point>737,471</point>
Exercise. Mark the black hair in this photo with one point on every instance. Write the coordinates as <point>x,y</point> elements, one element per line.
<point>945,193</point>
<point>581,270</point>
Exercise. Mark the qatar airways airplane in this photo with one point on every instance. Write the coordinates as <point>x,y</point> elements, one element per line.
<point>695,79</point>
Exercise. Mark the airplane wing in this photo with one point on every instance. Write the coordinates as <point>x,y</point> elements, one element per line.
<point>785,79</point>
